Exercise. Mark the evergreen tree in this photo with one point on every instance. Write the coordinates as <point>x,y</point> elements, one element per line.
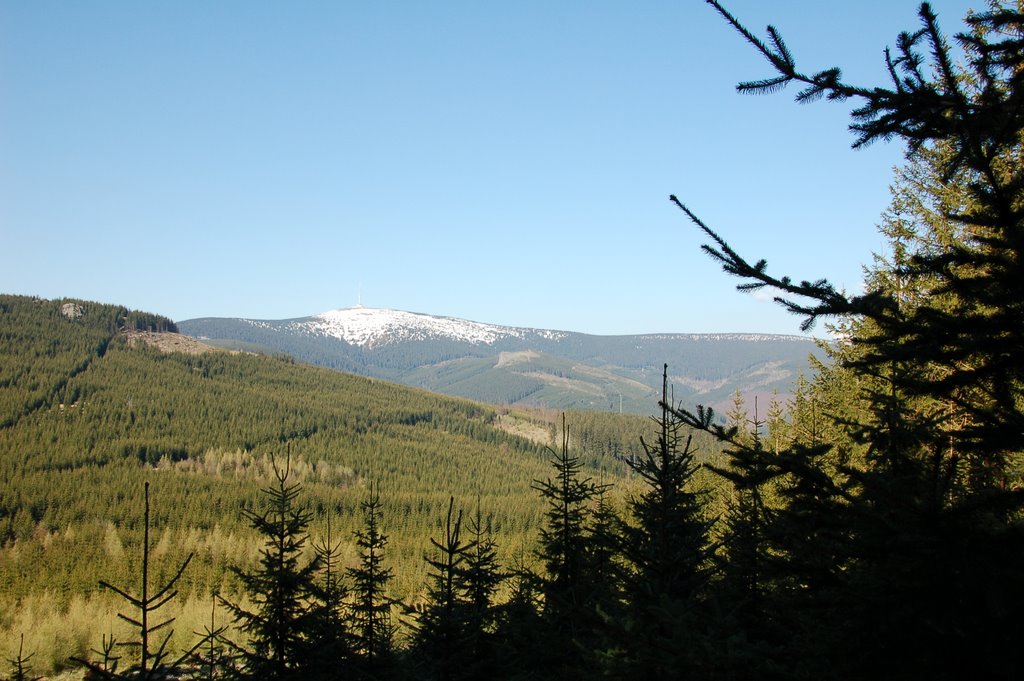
<point>151,661</point>
<point>522,635</point>
<point>20,669</point>
<point>667,548</point>
<point>898,545</point>
<point>370,610</point>
<point>483,577</point>
<point>569,588</point>
<point>280,588</point>
<point>211,659</point>
<point>329,647</point>
<point>442,639</point>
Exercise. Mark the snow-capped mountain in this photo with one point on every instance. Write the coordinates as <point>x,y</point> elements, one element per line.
<point>507,365</point>
<point>370,327</point>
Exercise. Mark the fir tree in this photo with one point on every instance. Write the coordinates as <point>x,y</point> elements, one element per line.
<point>370,610</point>
<point>280,588</point>
<point>522,634</point>
<point>212,659</point>
<point>329,646</point>
<point>20,669</point>
<point>483,577</point>
<point>667,548</point>
<point>151,661</point>
<point>442,637</point>
<point>568,587</point>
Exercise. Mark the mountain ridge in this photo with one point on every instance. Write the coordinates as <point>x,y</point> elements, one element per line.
<point>552,368</point>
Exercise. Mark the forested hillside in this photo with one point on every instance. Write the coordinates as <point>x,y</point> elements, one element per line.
<point>89,414</point>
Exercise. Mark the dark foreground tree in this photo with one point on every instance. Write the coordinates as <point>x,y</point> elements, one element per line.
<point>277,623</point>
<point>483,577</point>
<point>898,553</point>
<point>666,546</point>
<point>569,587</point>
<point>329,645</point>
<point>370,611</point>
<point>442,640</point>
<point>20,669</point>
<point>152,663</point>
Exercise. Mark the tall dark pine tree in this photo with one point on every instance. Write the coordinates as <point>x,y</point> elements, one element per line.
<point>568,587</point>
<point>442,640</point>
<point>328,646</point>
<point>905,562</point>
<point>522,634</point>
<point>666,546</point>
<point>483,577</point>
<point>277,622</point>
<point>370,609</point>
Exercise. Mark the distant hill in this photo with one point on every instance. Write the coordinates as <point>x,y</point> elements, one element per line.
<point>512,365</point>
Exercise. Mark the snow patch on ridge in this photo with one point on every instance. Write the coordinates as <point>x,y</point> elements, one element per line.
<point>367,327</point>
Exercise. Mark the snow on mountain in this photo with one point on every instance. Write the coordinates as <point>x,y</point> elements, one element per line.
<point>368,327</point>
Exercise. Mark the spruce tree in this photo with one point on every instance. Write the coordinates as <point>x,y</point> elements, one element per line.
<point>20,668</point>
<point>370,609</point>
<point>280,588</point>
<point>152,662</point>
<point>568,586</point>
<point>328,646</point>
<point>898,545</point>
<point>522,635</point>
<point>442,640</point>
<point>667,548</point>
<point>483,577</point>
<point>212,659</point>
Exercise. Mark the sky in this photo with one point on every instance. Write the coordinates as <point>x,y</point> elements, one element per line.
<point>503,162</point>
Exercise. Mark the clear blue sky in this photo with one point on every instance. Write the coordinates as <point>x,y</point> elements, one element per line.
<point>502,162</point>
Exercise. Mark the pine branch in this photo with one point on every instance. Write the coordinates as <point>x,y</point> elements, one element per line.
<point>829,301</point>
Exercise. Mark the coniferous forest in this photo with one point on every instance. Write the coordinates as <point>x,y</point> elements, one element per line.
<point>222,516</point>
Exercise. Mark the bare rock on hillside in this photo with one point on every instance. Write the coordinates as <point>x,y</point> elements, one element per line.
<point>72,310</point>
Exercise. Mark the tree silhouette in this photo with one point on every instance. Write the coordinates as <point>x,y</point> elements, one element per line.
<point>280,588</point>
<point>442,639</point>
<point>881,572</point>
<point>20,669</point>
<point>151,662</point>
<point>666,547</point>
<point>565,546</point>
<point>370,610</point>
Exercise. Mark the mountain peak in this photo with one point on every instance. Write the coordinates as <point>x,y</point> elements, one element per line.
<point>371,326</point>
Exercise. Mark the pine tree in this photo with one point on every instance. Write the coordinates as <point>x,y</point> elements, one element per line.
<point>667,548</point>
<point>569,588</point>
<point>20,669</point>
<point>442,638</point>
<point>370,610</point>
<point>522,634</point>
<point>483,577</point>
<point>151,662</point>
<point>899,541</point>
<point>280,588</point>
<point>212,659</point>
<point>328,647</point>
